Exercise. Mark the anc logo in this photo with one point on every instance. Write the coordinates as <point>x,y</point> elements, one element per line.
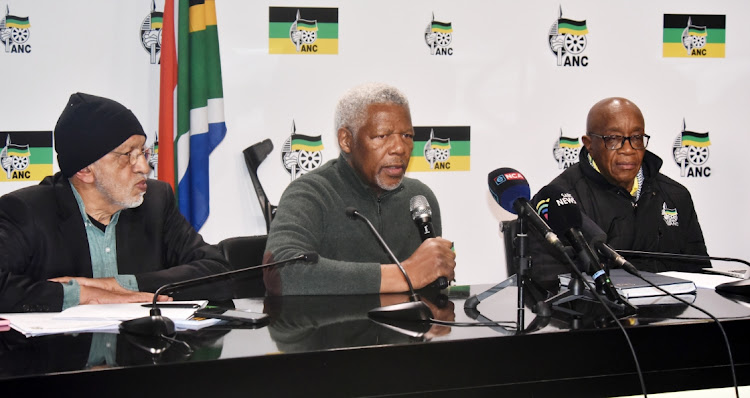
<point>301,153</point>
<point>567,40</point>
<point>14,33</point>
<point>151,33</point>
<point>690,152</point>
<point>670,216</point>
<point>29,158</point>
<point>290,33</point>
<point>438,37</point>
<point>697,36</point>
<point>565,151</point>
<point>441,149</point>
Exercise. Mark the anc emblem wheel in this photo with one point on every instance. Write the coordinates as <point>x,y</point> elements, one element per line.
<point>575,44</point>
<point>309,161</point>
<point>309,37</point>
<point>20,163</point>
<point>443,39</point>
<point>19,35</point>
<point>570,154</point>
<point>441,155</point>
<point>697,155</point>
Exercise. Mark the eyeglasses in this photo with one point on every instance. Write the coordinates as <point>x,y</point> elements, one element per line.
<point>639,141</point>
<point>132,156</point>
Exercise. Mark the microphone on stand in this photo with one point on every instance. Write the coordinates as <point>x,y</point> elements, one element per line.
<point>565,218</point>
<point>511,191</point>
<point>421,213</point>
<point>157,325</point>
<point>612,255</point>
<point>414,310</point>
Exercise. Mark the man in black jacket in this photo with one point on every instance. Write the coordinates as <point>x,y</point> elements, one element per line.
<point>98,231</point>
<point>618,185</point>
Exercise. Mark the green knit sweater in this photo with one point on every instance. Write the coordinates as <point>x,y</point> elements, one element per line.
<point>311,217</point>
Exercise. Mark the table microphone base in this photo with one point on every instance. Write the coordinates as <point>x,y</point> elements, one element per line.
<point>154,325</point>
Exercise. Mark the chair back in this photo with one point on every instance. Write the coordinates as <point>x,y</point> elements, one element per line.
<point>509,229</point>
<point>242,252</point>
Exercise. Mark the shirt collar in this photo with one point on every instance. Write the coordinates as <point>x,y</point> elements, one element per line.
<point>635,192</point>
<point>82,207</point>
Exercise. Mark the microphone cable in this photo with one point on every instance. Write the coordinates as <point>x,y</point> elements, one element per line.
<point>579,274</point>
<point>721,328</point>
<point>638,253</point>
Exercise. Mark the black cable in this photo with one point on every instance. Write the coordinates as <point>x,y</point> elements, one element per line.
<point>639,253</point>
<point>612,314</point>
<point>187,347</point>
<point>723,333</point>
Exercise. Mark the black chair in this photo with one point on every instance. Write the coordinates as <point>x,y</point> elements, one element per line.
<point>242,252</point>
<point>509,229</point>
<point>254,156</point>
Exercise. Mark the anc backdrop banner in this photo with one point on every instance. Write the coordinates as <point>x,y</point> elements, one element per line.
<point>490,84</point>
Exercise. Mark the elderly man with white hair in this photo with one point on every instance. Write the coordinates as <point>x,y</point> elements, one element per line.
<point>376,138</point>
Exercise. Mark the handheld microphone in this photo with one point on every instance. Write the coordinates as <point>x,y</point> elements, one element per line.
<point>158,326</point>
<point>511,191</point>
<point>414,310</point>
<point>565,217</point>
<point>421,213</point>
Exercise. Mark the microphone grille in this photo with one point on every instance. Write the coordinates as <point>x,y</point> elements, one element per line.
<point>419,207</point>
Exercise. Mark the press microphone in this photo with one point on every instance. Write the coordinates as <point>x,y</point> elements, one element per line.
<point>565,218</point>
<point>680,256</point>
<point>421,213</point>
<point>414,310</point>
<point>511,191</point>
<point>612,255</point>
<point>157,325</point>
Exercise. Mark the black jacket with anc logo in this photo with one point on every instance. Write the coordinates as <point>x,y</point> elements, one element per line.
<point>662,220</point>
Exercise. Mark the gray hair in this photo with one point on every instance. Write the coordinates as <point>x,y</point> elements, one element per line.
<point>351,110</point>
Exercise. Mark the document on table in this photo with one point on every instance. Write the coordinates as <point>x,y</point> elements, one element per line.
<point>100,318</point>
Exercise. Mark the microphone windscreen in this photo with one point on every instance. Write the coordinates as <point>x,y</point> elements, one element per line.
<point>419,207</point>
<point>351,212</point>
<point>506,186</point>
<point>559,208</point>
<point>311,257</point>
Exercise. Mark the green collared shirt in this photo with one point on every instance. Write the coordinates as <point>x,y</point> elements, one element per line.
<point>103,250</point>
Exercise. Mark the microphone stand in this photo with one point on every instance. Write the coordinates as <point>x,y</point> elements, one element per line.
<point>521,279</point>
<point>415,309</point>
<point>160,326</point>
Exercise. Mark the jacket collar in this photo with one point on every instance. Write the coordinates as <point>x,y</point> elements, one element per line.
<point>651,165</point>
<point>352,178</point>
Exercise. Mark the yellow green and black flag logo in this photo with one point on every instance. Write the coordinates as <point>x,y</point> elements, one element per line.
<point>293,30</point>
<point>696,36</point>
<point>25,155</point>
<point>445,148</point>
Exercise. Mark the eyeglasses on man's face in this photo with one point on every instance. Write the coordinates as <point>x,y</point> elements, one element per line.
<point>638,141</point>
<point>132,156</point>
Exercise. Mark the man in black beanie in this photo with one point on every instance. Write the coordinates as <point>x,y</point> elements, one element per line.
<point>98,231</point>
